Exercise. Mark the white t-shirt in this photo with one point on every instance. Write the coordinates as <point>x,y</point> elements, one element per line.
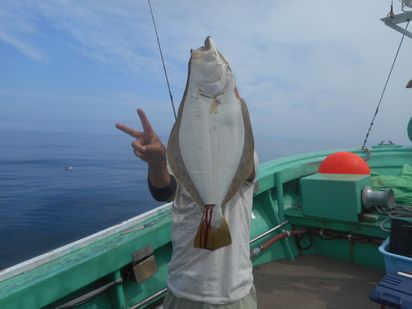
<point>221,276</point>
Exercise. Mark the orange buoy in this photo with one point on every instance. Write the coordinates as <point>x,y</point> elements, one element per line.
<point>344,163</point>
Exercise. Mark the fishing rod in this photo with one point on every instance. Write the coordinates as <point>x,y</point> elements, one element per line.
<point>161,57</point>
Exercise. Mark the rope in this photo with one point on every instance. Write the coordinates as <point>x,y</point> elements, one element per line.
<point>391,13</point>
<point>383,92</point>
<point>399,211</point>
<point>161,56</point>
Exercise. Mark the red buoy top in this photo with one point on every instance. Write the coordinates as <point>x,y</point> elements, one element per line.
<point>344,163</point>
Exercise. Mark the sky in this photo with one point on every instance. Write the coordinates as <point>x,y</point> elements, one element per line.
<point>309,70</point>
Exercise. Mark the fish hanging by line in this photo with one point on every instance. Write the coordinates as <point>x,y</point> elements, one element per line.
<point>211,145</point>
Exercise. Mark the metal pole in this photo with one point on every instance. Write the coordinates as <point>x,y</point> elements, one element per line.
<point>269,231</point>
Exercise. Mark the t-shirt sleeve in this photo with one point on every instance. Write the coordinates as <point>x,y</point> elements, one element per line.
<point>165,194</point>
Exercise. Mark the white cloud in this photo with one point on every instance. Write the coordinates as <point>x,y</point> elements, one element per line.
<point>22,47</point>
<point>16,29</point>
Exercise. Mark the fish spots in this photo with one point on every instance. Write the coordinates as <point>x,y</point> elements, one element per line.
<point>201,92</point>
<point>214,106</point>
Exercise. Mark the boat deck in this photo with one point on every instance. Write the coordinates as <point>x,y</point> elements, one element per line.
<point>314,281</point>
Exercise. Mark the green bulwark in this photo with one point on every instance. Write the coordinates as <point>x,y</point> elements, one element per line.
<point>333,196</point>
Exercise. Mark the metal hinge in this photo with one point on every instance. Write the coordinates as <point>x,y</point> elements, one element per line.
<point>144,264</point>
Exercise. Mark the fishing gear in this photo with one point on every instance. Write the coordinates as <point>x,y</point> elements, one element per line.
<point>161,57</point>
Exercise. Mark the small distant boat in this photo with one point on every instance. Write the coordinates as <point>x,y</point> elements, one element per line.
<point>68,167</point>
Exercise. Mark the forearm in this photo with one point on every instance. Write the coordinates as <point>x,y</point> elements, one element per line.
<point>158,174</point>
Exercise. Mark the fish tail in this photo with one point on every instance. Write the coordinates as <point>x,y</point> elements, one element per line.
<point>212,236</point>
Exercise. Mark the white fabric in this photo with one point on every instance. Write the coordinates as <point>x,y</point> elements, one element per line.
<point>222,276</point>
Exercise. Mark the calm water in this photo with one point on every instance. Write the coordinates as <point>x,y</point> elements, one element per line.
<point>44,206</point>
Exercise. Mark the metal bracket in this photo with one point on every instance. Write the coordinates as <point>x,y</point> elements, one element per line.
<point>386,143</point>
<point>393,21</point>
<point>144,264</point>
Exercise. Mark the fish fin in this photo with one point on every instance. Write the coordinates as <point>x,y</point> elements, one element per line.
<point>174,156</point>
<point>212,237</point>
<point>246,165</point>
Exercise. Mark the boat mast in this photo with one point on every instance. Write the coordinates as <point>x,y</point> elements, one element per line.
<point>392,20</point>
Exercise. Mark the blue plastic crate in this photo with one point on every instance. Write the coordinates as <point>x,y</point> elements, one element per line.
<point>395,262</point>
<point>394,291</point>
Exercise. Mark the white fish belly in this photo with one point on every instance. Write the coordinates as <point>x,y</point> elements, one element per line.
<point>211,142</point>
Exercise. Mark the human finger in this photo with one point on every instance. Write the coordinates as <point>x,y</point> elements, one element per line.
<point>137,153</point>
<point>137,145</point>
<point>129,131</point>
<point>153,148</point>
<point>147,127</point>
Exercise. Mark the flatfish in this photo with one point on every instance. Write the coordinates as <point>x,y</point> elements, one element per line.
<point>211,146</point>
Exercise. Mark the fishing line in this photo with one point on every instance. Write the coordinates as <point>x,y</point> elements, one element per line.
<point>383,91</point>
<point>161,56</point>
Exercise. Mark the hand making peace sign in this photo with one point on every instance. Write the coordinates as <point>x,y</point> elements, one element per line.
<point>147,145</point>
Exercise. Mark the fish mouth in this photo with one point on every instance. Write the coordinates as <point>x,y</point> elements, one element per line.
<point>208,46</point>
<point>209,42</point>
<point>210,69</point>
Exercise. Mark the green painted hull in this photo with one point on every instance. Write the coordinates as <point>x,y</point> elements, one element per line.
<point>76,269</point>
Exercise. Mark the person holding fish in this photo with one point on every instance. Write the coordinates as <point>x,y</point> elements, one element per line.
<point>209,170</point>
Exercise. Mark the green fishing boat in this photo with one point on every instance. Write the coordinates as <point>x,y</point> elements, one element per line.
<point>318,240</point>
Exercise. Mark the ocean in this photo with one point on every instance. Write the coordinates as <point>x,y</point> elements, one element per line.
<point>44,206</point>
<point>56,188</point>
